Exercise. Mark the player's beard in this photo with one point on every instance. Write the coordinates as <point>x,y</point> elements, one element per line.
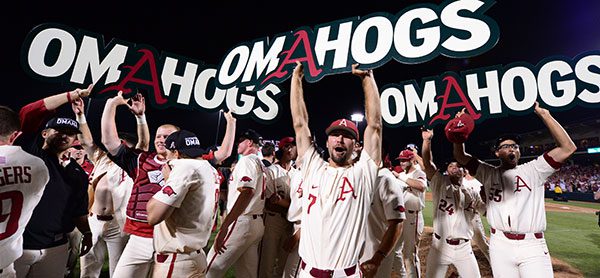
<point>339,156</point>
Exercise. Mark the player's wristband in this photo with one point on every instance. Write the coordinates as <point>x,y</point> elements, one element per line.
<point>87,233</point>
<point>141,119</point>
<point>81,119</point>
<point>69,97</point>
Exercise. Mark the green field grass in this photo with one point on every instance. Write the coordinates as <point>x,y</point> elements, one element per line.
<point>571,237</point>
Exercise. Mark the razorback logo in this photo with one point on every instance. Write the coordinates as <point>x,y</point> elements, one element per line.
<point>400,208</point>
<point>246,179</point>
<point>343,122</point>
<point>168,190</point>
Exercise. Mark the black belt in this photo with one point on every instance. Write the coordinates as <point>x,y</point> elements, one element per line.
<point>254,216</point>
<point>451,241</point>
<point>107,217</point>
<point>413,211</point>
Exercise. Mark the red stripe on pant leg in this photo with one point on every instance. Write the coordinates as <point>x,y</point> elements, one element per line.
<point>217,253</point>
<point>172,266</point>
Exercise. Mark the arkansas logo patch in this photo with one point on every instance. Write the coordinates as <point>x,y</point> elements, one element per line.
<point>246,179</point>
<point>400,208</point>
<point>168,190</point>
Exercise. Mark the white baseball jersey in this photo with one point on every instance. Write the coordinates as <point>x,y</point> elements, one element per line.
<point>450,203</point>
<point>192,188</point>
<point>280,182</point>
<point>295,210</point>
<point>23,178</point>
<point>387,204</point>
<point>414,199</point>
<point>335,205</point>
<point>249,172</point>
<point>515,197</point>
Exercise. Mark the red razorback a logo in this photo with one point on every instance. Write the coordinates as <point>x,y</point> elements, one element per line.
<point>246,179</point>
<point>168,190</point>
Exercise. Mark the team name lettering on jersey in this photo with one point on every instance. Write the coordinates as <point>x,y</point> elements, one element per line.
<point>344,191</point>
<point>521,183</point>
<point>14,175</point>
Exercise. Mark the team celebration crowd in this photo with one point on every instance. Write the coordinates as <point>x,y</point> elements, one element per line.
<point>283,210</point>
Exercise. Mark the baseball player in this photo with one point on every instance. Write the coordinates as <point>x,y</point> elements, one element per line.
<point>237,242</point>
<point>292,264</point>
<point>184,210</point>
<point>337,194</point>
<point>453,206</point>
<point>515,200</point>
<point>64,203</point>
<point>22,182</point>
<point>406,260</point>
<point>479,237</point>
<point>145,169</point>
<point>277,228</point>
<point>384,224</point>
<point>109,188</point>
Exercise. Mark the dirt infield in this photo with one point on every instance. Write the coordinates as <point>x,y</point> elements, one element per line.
<point>567,208</point>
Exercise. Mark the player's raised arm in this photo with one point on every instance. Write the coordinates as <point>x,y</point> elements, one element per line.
<point>228,139</point>
<point>428,165</point>
<point>110,137</point>
<point>299,112</point>
<point>372,135</point>
<point>564,145</point>
<point>85,138</point>
<point>138,108</point>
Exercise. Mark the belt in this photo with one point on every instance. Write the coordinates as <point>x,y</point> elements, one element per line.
<point>452,241</point>
<point>326,273</point>
<point>254,216</point>
<point>161,258</point>
<point>515,236</point>
<point>277,213</point>
<point>107,217</point>
<point>412,211</point>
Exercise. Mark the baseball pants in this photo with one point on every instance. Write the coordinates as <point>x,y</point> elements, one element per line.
<point>8,272</point>
<point>272,257</point>
<point>292,264</point>
<point>528,257</point>
<point>106,237</point>
<point>406,258</point>
<point>180,265</point>
<point>441,255</point>
<point>74,247</point>
<point>242,241</point>
<point>479,237</point>
<point>137,258</point>
<point>44,263</point>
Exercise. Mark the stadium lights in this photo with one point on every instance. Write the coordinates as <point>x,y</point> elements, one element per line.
<point>357,118</point>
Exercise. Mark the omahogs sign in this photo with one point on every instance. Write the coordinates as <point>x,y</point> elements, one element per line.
<point>248,76</point>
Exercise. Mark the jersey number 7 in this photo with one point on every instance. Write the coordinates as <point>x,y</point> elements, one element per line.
<point>10,218</point>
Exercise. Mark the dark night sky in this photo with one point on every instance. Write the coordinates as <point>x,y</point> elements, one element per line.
<point>528,32</point>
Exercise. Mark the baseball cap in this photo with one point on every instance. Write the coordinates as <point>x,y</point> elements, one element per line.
<point>343,124</point>
<point>286,141</point>
<point>66,125</point>
<point>185,142</point>
<point>458,129</point>
<point>504,137</point>
<point>406,155</point>
<point>252,135</point>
